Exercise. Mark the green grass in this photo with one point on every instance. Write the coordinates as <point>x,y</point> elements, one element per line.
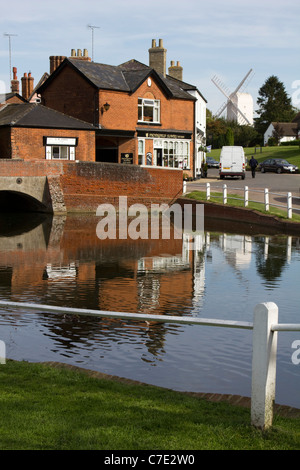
<point>237,200</point>
<point>290,153</point>
<point>47,408</point>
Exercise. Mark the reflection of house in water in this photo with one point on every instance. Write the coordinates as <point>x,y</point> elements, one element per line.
<point>237,249</point>
<point>64,262</point>
<point>55,272</point>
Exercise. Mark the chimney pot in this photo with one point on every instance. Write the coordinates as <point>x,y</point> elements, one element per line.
<point>73,53</point>
<point>157,57</point>
<point>79,53</point>
<point>176,71</point>
<point>15,82</point>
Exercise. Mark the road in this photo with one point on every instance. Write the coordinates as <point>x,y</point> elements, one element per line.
<point>280,184</point>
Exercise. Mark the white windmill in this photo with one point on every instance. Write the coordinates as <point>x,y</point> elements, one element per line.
<point>239,105</point>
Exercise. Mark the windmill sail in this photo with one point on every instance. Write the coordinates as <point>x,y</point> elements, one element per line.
<point>239,105</point>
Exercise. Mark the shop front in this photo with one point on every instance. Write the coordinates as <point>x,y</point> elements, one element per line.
<point>165,149</point>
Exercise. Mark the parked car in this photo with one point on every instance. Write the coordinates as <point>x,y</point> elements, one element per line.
<point>212,163</point>
<point>279,165</point>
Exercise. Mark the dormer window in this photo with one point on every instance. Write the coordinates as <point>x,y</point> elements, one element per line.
<point>148,110</point>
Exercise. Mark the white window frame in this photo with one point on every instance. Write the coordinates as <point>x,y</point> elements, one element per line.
<point>69,152</point>
<point>144,103</point>
<point>176,153</point>
<point>141,154</point>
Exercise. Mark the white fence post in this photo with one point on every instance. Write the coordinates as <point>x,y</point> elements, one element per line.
<point>267,206</point>
<point>207,191</point>
<point>246,199</point>
<point>289,206</point>
<point>264,365</point>
<point>224,194</point>
<point>184,187</point>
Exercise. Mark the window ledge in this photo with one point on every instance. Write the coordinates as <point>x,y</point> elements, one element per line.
<point>147,123</point>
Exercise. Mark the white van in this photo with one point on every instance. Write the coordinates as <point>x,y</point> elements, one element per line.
<point>232,162</point>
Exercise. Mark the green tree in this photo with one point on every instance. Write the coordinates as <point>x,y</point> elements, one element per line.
<point>274,105</point>
<point>215,130</point>
<point>229,137</point>
<point>246,136</point>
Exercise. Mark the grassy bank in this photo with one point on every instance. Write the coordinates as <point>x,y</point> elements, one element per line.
<point>236,200</point>
<point>290,153</point>
<point>43,407</point>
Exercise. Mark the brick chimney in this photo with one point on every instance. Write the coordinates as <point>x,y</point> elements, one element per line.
<point>27,85</point>
<point>55,61</point>
<point>175,71</point>
<point>158,57</point>
<point>80,55</point>
<point>15,85</point>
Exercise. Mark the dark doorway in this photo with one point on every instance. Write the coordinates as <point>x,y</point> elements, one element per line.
<point>159,157</point>
<point>109,155</point>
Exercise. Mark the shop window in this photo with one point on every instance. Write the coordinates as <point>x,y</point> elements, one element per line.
<point>148,110</point>
<point>176,154</point>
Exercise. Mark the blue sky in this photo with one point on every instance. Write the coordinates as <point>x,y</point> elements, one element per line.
<point>209,38</point>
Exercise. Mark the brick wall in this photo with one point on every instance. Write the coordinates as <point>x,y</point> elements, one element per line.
<point>71,94</point>
<point>85,185</point>
<point>27,143</point>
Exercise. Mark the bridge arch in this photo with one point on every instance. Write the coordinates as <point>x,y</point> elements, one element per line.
<point>24,194</point>
<point>14,201</point>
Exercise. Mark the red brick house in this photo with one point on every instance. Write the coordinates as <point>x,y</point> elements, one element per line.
<point>8,98</point>
<point>33,132</point>
<point>141,115</point>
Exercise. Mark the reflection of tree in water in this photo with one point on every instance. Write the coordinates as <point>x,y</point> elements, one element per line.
<point>271,259</point>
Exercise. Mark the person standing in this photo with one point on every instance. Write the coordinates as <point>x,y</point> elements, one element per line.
<point>253,164</point>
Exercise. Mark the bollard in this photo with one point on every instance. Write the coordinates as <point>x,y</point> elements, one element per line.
<point>289,206</point>
<point>207,191</point>
<point>246,198</point>
<point>224,194</point>
<point>264,365</point>
<point>267,206</point>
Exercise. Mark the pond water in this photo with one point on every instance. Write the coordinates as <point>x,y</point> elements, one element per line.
<point>60,261</point>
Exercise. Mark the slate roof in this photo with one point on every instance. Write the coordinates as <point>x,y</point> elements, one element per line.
<point>126,77</point>
<point>37,115</point>
<point>7,96</point>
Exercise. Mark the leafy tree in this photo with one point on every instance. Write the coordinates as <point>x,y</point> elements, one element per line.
<point>246,136</point>
<point>274,104</point>
<point>229,136</point>
<point>277,133</point>
<point>215,130</point>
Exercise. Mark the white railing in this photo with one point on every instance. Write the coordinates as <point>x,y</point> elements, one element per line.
<point>288,206</point>
<point>265,328</point>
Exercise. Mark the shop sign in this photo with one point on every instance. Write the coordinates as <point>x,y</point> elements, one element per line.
<point>127,158</point>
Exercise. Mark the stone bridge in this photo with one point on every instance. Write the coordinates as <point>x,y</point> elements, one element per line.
<point>59,187</point>
<point>31,193</point>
